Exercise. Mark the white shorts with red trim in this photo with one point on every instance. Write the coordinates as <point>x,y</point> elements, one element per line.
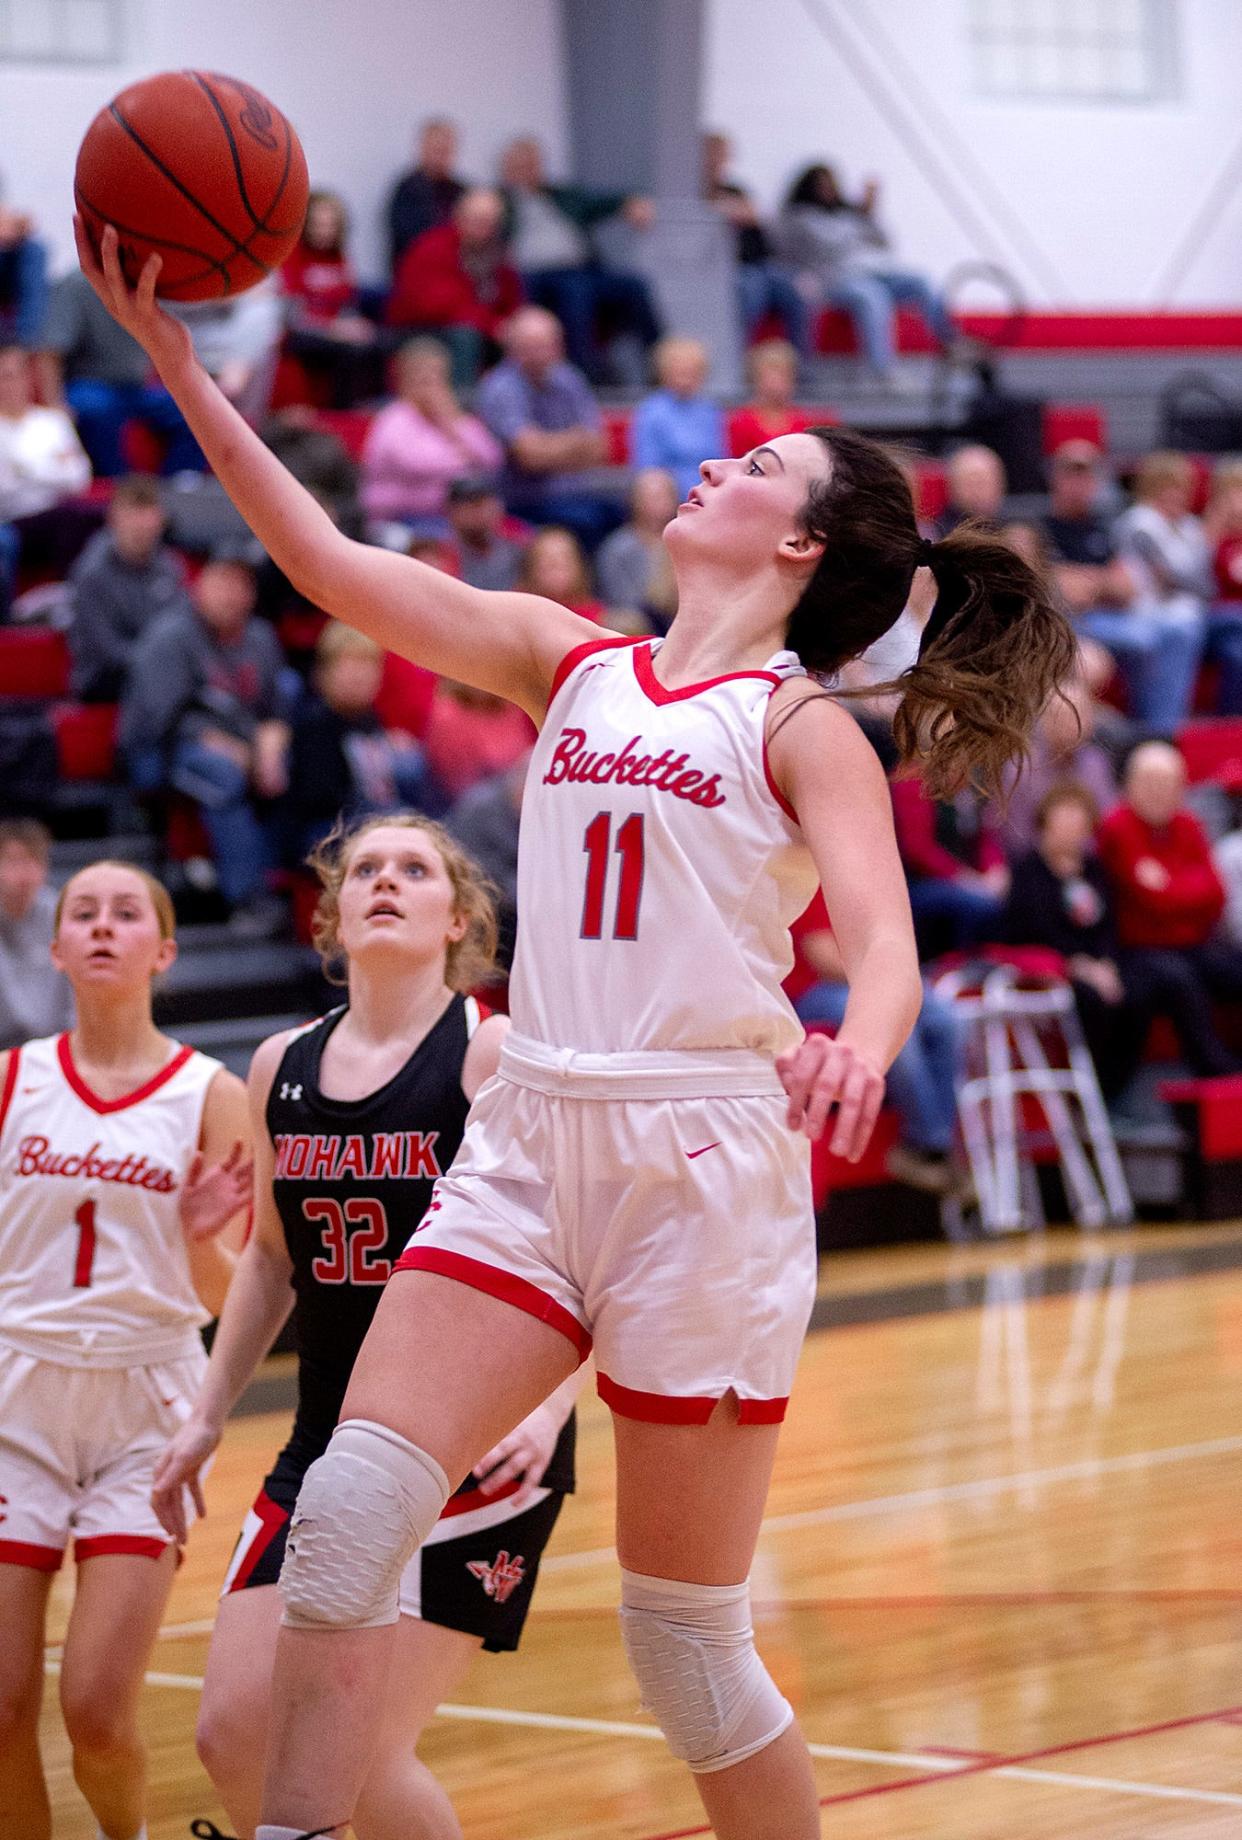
<point>78,1449</point>
<point>654,1205</point>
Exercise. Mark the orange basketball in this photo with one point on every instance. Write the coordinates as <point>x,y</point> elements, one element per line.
<point>201,168</point>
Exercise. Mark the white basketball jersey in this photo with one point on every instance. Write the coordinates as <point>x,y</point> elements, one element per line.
<point>658,869</point>
<point>93,1264</point>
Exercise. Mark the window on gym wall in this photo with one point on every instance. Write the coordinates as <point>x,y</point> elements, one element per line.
<point>61,31</point>
<point>1083,50</point>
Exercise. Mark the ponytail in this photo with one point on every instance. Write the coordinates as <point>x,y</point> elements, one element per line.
<point>995,647</point>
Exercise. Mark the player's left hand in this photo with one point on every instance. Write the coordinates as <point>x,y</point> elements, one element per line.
<point>211,1197</point>
<point>525,1453</point>
<point>822,1072</point>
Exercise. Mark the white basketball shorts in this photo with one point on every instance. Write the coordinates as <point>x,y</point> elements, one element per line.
<point>654,1206</point>
<point>78,1449</point>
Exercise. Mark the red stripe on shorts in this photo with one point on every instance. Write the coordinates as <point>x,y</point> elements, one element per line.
<point>682,1408</point>
<point>37,1558</point>
<point>136,1545</point>
<point>272,1518</point>
<point>504,1285</point>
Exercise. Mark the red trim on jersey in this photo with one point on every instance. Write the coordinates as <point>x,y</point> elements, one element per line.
<point>10,1081</point>
<point>36,1558</point>
<point>136,1545</point>
<point>775,790</point>
<point>650,684</point>
<point>64,1053</point>
<point>578,653</point>
<point>505,1285</point>
<point>272,1518</point>
<point>475,1498</point>
<point>682,1408</point>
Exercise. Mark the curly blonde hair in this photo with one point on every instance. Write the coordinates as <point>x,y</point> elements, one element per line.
<point>469,960</point>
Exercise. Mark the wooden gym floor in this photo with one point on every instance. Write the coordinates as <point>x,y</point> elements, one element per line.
<point>1001,1575</point>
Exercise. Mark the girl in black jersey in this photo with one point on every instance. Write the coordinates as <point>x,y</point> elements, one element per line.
<point>354,1117</point>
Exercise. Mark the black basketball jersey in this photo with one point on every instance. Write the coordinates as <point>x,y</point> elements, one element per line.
<point>353,1179</point>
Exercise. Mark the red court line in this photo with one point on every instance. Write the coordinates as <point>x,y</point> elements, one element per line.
<point>999,1763</point>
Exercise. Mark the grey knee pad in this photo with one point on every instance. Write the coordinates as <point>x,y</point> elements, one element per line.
<point>363,1510</point>
<point>692,1649</point>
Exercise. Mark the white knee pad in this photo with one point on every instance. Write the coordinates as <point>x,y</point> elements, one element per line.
<point>363,1510</point>
<point>692,1649</point>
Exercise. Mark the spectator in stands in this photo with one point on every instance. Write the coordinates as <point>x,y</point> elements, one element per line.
<point>34,998</point>
<point>1101,590</point>
<point>23,279</point>
<point>471,735</point>
<point>423,198</point>
<point>977,487</point>
<point>42,466</point>
<point>954,864</point>
<point>1166,550</point>
<point>343,762</point>
<point>550,228</point>
<point>90,363</point>
<point>458,281</point>
<point>633,568</point>
<point>419,444</point>
<point>679,426</point>
<point>125,578</point>
<point>485,820</point>
<point>840,249</point>
<point>317,457</point>
<point>764,285</point>
<point>541,410</point>
<point>1227,855</point>
<point>1169,900</point>
<point>1060,899</point>
<point>485,555</point>
<point>1062,752</point>
<point>205,714</point>
<point>326,331</point>
<point>921,1083</point>
<point>772,368</point>
<point>1222,523</point>
<point>237,342</point>
<point>554,566</point>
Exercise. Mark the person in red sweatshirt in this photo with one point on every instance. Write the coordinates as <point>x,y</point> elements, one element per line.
<point>954,865</point>
<point>457,281</point>
<point>1169,900</point>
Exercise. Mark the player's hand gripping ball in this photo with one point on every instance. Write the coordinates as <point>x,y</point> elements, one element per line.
<point>197,168</point>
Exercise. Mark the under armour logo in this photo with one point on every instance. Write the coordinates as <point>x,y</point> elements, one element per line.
<point>502,1578</point>
<point>290,1092</point>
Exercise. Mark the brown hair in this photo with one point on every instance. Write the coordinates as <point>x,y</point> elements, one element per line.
<point>138,489</point>
<point>160,898</point>
<point>526,577</point>
<point>468,960</point>
<point>340,641</point>
<point>28,834</point>
<point>1066,792</point>
<point>994,649</point>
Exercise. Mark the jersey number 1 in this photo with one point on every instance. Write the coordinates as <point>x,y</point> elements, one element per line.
<point>84,1221</point>
<point>629,847</point>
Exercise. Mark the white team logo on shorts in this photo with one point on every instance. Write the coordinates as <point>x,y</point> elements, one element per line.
<point>502,1578</point>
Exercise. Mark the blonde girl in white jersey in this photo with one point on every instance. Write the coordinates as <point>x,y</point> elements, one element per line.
<point>124,1187</point>
<point>581,1204</point>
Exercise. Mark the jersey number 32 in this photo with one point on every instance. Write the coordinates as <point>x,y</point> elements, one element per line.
<point>350,1258</point>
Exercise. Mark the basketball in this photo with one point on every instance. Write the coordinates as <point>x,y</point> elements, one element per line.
<point>201,169</point>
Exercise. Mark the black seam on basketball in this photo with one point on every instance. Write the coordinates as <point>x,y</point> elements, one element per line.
<point>239,248</point>
<point>215,265</point>
<point>259,223</point>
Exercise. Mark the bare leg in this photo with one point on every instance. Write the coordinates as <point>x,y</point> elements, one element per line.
<point>704,1532</point>
<point>401,1799</point>
<point>453,1370</point>
<point>117,1610</point>
<point>24,1810</point>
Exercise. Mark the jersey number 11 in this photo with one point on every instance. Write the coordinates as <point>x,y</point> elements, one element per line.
<point>629,847</point>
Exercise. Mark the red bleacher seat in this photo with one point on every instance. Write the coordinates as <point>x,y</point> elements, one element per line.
<point>33,662</point>
<point>1074,422</point>
<point>85,739</point>
<point>616,428</point>
<point>931,489</point>
<point>143,451</point>
<point>349,425</point>
<point>1212,750</point>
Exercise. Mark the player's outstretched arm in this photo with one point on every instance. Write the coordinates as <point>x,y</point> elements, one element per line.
<point>510,644</point>
<point>259,1300</point>
<point>826,767</point>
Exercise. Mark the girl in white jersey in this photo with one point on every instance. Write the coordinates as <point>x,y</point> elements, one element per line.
<point>123,1176</point>
<point>637,1175</point>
